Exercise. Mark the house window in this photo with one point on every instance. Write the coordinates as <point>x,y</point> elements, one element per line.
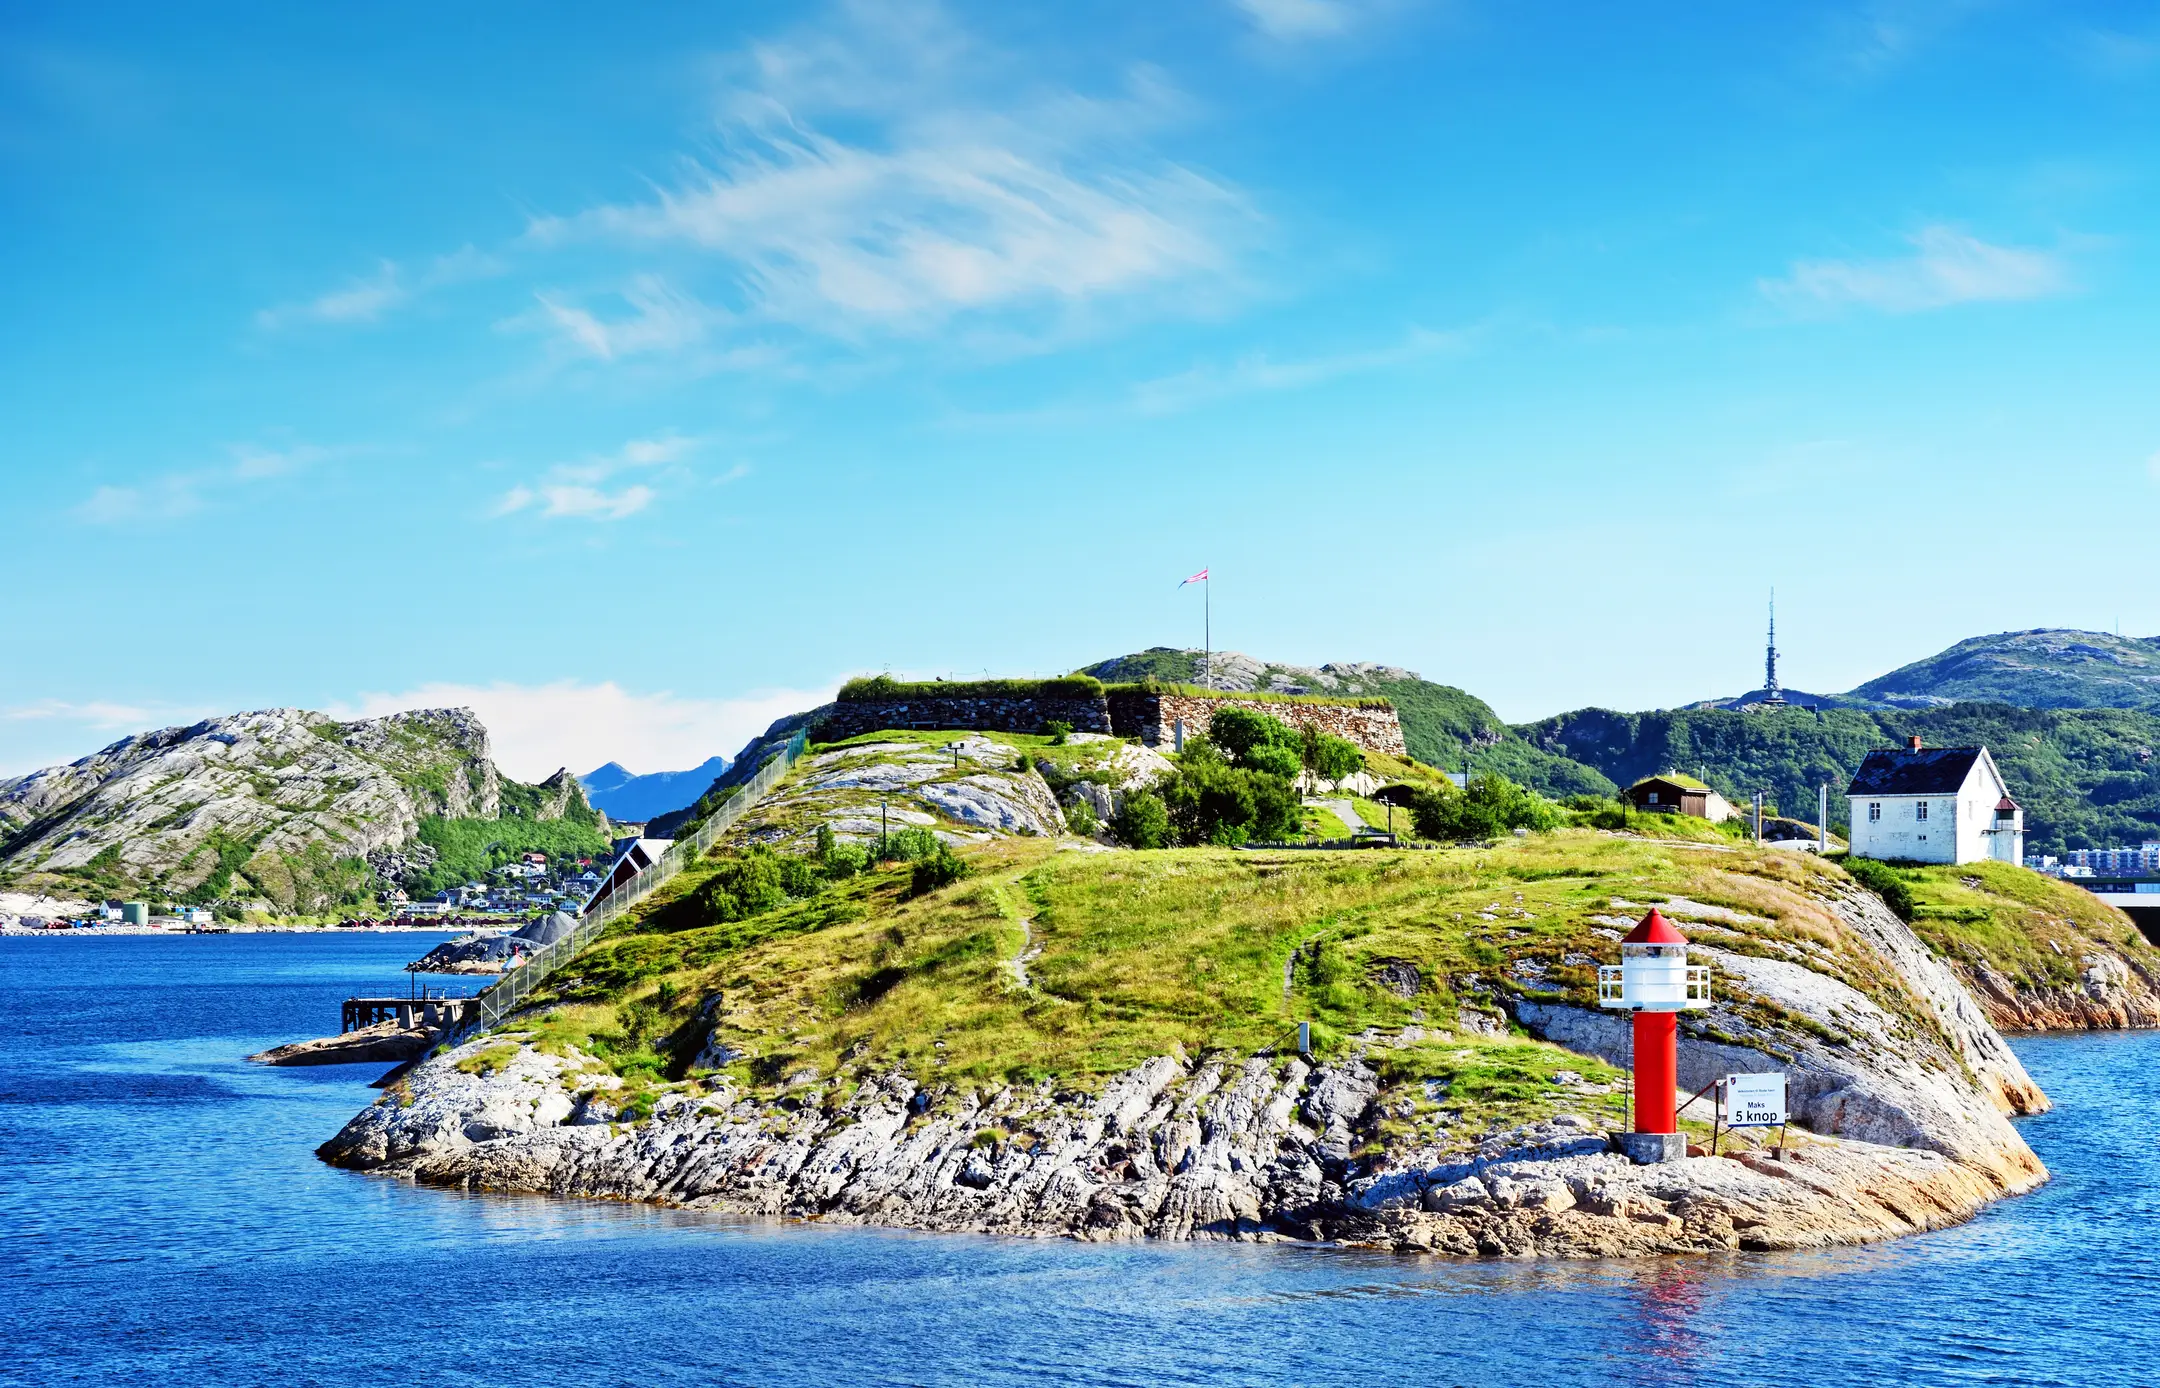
<point>1919,811</point>
<point>1653,797</point>
<point>1874,810</point>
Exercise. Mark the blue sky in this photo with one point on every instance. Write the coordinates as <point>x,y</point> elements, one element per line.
<point>635,382</point>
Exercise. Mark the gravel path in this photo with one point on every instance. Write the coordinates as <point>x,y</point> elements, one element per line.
<point>1028,950</point>
<point>1344,811</point>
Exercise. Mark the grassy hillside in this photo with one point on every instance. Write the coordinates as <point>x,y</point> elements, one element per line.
<point>1441,724</point>
<point>2084,776</point>
<point>1051,962</point>
<point>2047,668</point>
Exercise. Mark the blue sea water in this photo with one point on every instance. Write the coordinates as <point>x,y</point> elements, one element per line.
<point>163,1221</point>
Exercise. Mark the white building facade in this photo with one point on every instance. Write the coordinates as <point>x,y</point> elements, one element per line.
<point>1934,805</point>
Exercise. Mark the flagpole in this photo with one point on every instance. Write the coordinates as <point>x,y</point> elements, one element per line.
<point>1207,628</point>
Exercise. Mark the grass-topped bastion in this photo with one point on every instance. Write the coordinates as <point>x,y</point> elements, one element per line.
<point>1156,713</point>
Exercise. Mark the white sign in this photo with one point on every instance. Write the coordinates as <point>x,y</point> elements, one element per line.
<point>1754,1101</point>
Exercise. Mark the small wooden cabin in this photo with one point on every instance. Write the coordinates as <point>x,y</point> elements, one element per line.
<point>1673,793</point>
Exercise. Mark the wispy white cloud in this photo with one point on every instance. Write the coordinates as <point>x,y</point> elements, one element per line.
<point>949,194</point>
<point>1259,373</point>
<point>53,732</point>
<point>580,490</point>
<point>176,494</point>
<point>1869,38</point>
<point>662,319</point>
<point>1947,267</point>
<point>574,499</point>
<point>95,713</point>
<point>1289,21</point>
<point>369,298</point>
<point>537,728</point>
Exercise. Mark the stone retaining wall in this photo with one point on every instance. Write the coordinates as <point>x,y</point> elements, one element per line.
<point>1003,715</point>
<point>1153,718</point>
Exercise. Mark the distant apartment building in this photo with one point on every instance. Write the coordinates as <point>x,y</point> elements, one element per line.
<point>2141,861</point>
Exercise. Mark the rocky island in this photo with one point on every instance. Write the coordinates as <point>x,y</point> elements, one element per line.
<point>1067,1037</point>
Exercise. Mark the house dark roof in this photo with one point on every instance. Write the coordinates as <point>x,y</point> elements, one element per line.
<point>1900,771</point>
<point>1675,779</point>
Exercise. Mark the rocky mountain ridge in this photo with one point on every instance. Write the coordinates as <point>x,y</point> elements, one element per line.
<point>281,803</point>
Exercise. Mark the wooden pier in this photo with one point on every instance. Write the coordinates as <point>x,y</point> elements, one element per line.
<point>433,1012</point>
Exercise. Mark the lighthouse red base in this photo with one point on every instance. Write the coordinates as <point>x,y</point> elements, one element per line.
<point>1657,1071</point>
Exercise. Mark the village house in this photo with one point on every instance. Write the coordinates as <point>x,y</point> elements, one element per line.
<point>1934,805</point>
<point>1673,793</point>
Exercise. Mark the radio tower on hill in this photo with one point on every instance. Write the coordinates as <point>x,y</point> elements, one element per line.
<point>1773,694</point>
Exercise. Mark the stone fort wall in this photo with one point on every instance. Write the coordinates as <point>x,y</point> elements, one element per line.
<point>1154,718</point>
<point>992,713</point>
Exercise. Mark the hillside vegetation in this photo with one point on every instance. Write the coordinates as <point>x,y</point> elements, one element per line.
<point>2084,776</point>
<point>2042,668</point>
<point>2039,953</point>
<point>1050,962</point>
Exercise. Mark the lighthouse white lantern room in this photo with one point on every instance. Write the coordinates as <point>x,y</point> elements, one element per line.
<point>1654,981</point>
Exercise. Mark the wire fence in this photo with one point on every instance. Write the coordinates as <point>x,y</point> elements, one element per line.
<point>500,1000</point>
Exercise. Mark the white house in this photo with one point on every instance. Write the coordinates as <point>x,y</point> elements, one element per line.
<point>1934,805</point>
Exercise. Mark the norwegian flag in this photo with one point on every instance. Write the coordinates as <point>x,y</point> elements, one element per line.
<point>1200,577</point>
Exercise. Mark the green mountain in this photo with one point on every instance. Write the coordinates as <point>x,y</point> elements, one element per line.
<point>2048,667</point>
<point>285,806</point>
<point>1442,725</point>
<point>2084,776</point>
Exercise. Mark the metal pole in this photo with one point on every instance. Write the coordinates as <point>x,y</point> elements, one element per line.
<point>1207,628</point>
<point>1822,818</point>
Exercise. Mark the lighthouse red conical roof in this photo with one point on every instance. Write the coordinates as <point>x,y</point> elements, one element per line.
<point>1654,929</point>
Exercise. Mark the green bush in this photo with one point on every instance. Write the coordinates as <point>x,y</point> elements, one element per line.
<point>1886,882</point>
<point>1143,821</point>
<point>1256,742</point>
<point>1491,806</point>
<point>840,861</point>
<point>755,882</point>
<point>1211,801</point>
<point>939,869</point>
<point>1080,818</point>
<point>1330,757</point>
<point>1059,731</point>
<point>906,846</point>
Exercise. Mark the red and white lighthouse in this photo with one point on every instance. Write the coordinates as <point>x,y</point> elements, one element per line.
<point>1654,981</point>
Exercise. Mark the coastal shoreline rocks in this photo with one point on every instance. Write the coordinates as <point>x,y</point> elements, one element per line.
<point>1255,1150</point>
<point>385,1041</point>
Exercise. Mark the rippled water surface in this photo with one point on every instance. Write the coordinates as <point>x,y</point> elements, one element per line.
<point>163,1220</point>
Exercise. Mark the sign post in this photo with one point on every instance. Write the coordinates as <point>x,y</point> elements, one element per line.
<point>1753,1101</point>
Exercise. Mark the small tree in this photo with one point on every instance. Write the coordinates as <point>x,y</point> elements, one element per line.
<point>1490,806</point>
<point>1256,742</point>
<point>1142,821</point>
<point>1329,757</point>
